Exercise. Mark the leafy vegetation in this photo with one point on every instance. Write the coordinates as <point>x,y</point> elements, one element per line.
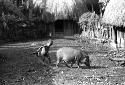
<point>88,22</point>
<point>20,22</point>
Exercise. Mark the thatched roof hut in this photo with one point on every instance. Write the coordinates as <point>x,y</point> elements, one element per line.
<point>62,9</point>
<point>115,13</point>
<point>61,15</point>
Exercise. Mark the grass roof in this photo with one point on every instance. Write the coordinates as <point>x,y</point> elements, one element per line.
<point>62,9</point>
<point>115,13</point>
<point>103,1</point>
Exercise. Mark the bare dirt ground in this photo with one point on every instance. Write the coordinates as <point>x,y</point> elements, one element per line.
<point>18,67</point>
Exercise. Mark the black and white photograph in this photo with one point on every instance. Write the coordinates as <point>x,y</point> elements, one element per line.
<point>62,42</point>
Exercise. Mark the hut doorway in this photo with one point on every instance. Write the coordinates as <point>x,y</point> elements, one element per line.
<point>65,28</point>
<point>59,27</point>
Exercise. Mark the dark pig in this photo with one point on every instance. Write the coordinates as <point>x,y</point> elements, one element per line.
<point>43,51</point>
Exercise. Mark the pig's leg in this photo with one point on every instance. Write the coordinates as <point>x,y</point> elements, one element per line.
<point>72,63</point>
<point>66,64</point>
<point>87,62</point>
<point>58,61</point>
<point>78,63</point>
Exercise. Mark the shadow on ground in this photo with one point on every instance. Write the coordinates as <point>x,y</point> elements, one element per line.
<point>10,41</point>
<point>22,69</point>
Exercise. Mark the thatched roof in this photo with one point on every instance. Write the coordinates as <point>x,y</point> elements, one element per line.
<point>103,1</point>
<point>62,9</point>
<point>115,13</point>
<point>39,3</point>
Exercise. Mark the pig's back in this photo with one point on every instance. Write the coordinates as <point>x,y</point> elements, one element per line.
<point>68,51</point>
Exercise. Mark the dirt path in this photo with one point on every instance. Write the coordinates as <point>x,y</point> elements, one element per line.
<point>21,68</point>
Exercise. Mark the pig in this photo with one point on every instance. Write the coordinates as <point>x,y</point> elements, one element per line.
<point>72,56</point>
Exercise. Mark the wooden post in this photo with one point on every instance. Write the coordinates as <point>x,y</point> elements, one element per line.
<point>122,40</point>
<point>114,34</point>
<point>111,27</point>
<point>54,28</point>
<point>114,38</point>
<point>108,32</point>
<point>119,38</point>
<point>101,27</point>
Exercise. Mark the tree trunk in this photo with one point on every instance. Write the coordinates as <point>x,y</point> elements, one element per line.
<point>30,13</point>
<point>30,9</point>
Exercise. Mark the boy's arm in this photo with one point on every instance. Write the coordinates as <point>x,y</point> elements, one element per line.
<point>39,48</point>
